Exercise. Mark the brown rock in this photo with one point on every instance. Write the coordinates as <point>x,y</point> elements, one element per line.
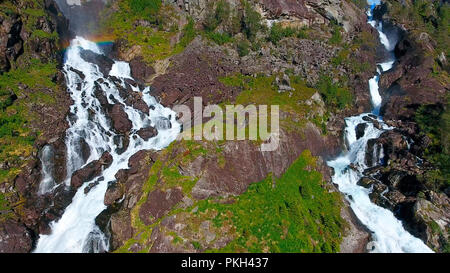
<point>147,133</point>
<point>91,170</point>
<point>141,71</point>
<point>120,120</point>
<point>14,238</point>
<point>159,203</point>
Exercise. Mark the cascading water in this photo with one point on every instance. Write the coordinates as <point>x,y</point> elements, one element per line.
<point>76,230</point>
<point>388,233</point>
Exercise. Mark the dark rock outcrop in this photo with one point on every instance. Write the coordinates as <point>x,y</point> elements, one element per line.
<point>147,133</point>
<point>120,120</point>
<point>91,170</point>
<point>14,237</point>
<point>104,63</point>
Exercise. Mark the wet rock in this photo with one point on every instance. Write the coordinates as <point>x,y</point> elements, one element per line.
<point>120,120</point>
<point>116,190</point>
<point>78,72</point>
<point>376,196</point>
<point>121,142</point>
<point>163,124</point>
<point>360,130</point>
<point>366,182</point>
<point>132,98</point>
<point>147,133</point>
<point>92,185</point>
<point>104,63</point>
<point>91,170</point>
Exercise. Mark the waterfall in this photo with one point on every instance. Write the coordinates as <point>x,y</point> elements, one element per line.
<point>76,230</point>
<point>388,233</point>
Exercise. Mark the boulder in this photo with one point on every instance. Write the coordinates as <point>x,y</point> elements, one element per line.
<point>91,170</point>
<point>120,120</point>
<point>360,130</point>
<point>104,63</point>
<point>147,133</point>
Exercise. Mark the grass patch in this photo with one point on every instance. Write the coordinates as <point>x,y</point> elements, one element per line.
<point>292,214</point>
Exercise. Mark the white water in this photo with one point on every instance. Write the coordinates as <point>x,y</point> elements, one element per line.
<point>388,233</point>
<point>76,231</point>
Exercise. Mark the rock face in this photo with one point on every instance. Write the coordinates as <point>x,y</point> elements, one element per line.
<point>104,63</point>
<point>180,84</point>
<point>124,195</point>
<point>120,120</point>
<point>27,36</point>
<point>14,238</point>
<point>408,191</point>
<point>159,203</point>
<point>140,71</point>
<point>254,165</point>
<point>91,170</point>
<point>11,44</point>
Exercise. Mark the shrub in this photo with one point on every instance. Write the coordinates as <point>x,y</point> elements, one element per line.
<point>336,37</point>
<point>243,47</point>
<point>251,21</point>
<point>277,32</point>
<point>219,38</point>
<point>333,94</point>
<point>302,33</point>
<point>145,8</point>
<point>215,17</point>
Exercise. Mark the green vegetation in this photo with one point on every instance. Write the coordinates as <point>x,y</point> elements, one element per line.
<point>298,204</point>
<point>251,21</point>
<point>278,32</point>
<point>263,91</point>
<point>189,34</point>
<point>146,9</point>
<point>215,17</point>
<point>333,94</point>
<point>219,38</point>
<point>16,136</point>
<point>243,47</point>
<point>150,41</point>
<point>432,17</point>
<point>336,36</point>
<point>434,122</point>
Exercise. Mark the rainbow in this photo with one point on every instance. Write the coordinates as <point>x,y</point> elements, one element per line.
<point>100,40</point>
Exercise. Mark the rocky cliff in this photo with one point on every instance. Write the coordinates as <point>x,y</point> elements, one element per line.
<point>414,179</point>
<point>311,57</point>
<point>34,106</point>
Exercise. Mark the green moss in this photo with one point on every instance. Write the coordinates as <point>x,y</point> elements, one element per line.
<point>262,91</point>
<point>152,40</point>
<point>16,116</point>
<point>292,214</point>
<point>3,202</point>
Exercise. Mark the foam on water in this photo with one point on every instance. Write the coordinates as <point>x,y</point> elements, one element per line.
<point>76,231</point>
<point>387,231</point>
